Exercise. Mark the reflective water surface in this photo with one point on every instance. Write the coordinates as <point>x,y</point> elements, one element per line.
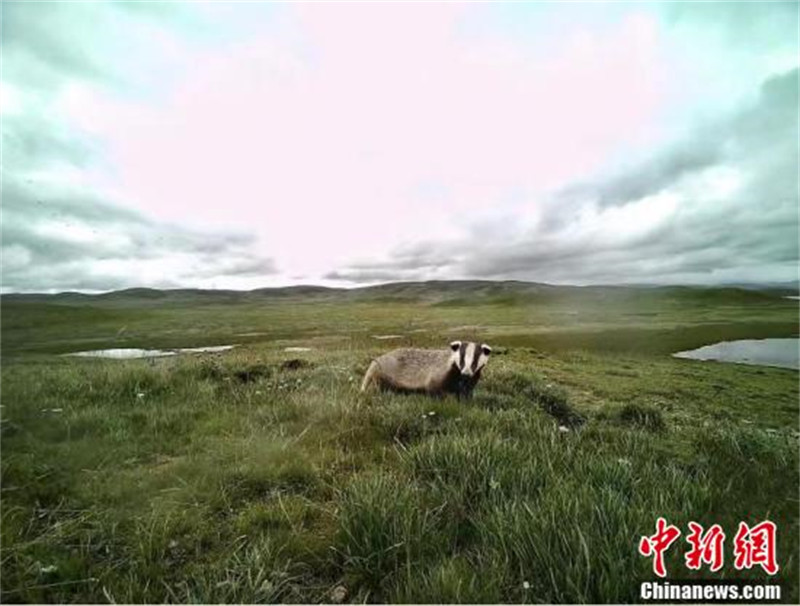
<point>129,353</point>
<point>209,349</point>
<point>784,353</point>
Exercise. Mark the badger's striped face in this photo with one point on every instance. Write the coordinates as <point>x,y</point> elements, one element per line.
<point>469,358</point>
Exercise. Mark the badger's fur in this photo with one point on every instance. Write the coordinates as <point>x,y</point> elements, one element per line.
<point>431,371</point>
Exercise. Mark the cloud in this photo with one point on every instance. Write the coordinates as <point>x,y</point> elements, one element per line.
<point>245,144</point>
<point>61,239</point>
<point>316,141</point>
<point>650,177</point>
<point>54,238</point>
<point>34,34</point>
<point>719,205</point>
<point>740,22</point>
<point>60,228</point>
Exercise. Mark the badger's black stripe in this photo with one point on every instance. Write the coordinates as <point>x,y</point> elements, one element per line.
<point>476,357</point>
<point>461,353</point>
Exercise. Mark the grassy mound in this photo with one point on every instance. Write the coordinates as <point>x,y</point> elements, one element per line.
<point>240,478</point>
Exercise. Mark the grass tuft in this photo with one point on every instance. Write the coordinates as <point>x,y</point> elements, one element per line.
<point>643,417</point>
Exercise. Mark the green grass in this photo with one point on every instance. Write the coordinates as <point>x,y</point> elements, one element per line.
<point>238,478</point>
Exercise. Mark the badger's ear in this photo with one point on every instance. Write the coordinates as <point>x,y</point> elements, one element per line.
<point>455,345</point>
<point>486,349</point>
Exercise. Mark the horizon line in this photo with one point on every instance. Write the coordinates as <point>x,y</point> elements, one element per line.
<point>89,292</point>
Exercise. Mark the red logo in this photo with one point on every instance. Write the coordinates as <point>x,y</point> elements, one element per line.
<point>657,544</point>
<point>708,547</point>
<point>751,546</point>
<point>755,545</point>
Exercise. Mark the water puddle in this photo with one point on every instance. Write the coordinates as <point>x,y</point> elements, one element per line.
<point>784,353</point>
<point>386,337</point>
<point>130,353</point>
<point>296,349</point>
<point>123,354</point>
<point>210,349</point>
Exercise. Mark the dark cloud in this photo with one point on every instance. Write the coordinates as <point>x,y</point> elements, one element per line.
<point>37,200</point>
<point>55,239</point>
<point>412,262</point>
<point>753,228</point>
<point>57,236</point>
<point>651,177</point>
<point>420,256</point>
<point>753,132</point>
<point>366,276</point>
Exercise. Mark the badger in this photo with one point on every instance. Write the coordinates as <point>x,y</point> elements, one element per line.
<point>431,371</point>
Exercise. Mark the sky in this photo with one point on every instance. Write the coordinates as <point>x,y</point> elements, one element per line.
<point>254,144</point>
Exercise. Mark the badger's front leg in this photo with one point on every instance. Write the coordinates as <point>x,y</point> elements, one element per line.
<point>465,388</point>
<point>466,385</point>
<point>370,376</point>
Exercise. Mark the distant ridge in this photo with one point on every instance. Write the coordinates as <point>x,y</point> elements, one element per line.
<point>442,292</point>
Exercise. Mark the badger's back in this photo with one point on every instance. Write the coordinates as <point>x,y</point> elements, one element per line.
<point>414,369</point>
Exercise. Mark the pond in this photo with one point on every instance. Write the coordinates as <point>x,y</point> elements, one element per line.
<point>129,353</point>
<point>784,353</point>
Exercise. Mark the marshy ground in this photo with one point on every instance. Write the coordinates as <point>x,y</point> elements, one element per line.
<point>261,474</point>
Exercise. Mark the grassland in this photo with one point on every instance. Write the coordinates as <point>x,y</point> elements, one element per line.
<point>237,477</point>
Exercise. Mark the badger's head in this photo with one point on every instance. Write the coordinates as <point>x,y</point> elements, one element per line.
<point>469,358</point>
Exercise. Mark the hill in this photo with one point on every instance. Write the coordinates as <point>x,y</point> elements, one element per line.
<point>439,292</point>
